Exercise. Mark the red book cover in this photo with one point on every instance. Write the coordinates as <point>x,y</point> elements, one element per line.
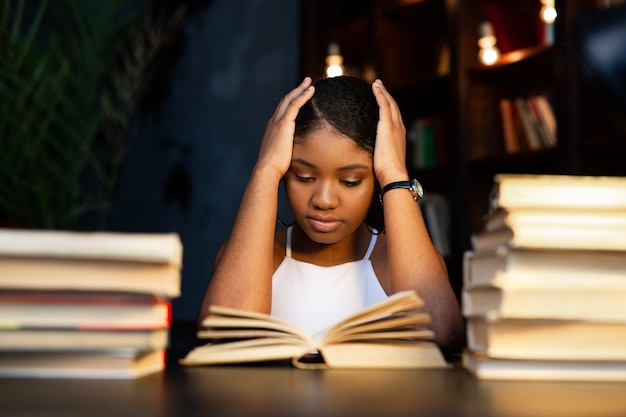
<point>83,310</point>
<point>514,25</point>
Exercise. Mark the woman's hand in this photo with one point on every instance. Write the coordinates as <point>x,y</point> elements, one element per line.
<point>277,145</point>
<point>390,150</point>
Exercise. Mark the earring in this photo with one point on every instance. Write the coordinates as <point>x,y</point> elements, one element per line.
<point>282,223</point>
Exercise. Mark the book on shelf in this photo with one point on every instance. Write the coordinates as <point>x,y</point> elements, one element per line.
<point>543,118</point>
<point>83,310</point>
<point>421,136</point>
<point>544,105</point>
<point>90,261</point>
<point>489,368</point>
<point>388,334</point>
<point>547,33</point>
<point>514,24</point>
<point>547,339</point>
<point>529,124</point>
<point>510,130</point>
<point>97,364</point>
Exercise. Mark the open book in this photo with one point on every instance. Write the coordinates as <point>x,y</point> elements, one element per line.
<point>389,334</point>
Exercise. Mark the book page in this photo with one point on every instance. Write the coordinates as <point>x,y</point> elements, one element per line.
<point>401,325</point>
<point>396,303</point>
<point>241,351</point>
<point>240,324</point>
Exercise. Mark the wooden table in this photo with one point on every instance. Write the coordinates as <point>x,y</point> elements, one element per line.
<point>285,391</point>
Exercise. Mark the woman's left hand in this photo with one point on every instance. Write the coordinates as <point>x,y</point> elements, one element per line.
<point>390,150</point>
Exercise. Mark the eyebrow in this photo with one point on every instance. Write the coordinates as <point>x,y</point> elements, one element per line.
<point>344,168</point>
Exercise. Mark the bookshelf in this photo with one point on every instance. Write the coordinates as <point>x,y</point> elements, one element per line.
<point>426,53</point>
<point>586,140</point>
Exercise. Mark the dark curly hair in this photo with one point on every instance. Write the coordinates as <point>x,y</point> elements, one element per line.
<point>347,103</point>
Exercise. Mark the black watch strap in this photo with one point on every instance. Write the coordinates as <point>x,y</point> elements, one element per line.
<point>412,185</point>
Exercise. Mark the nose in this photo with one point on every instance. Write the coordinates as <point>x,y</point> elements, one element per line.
<point>324,196</point>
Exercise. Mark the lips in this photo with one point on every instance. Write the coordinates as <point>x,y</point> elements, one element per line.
<point>324,224</point>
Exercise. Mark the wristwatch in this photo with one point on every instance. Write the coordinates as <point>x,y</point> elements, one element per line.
<point>413,186</point>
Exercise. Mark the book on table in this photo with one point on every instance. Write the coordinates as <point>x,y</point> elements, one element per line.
<point>388,334</point>
<point>83,310</point>
<point>49,320</point>
<point>489,368</point>
<point>507,267</point>
<point>547,339</point>
<point>86,304</point>
<point>90,364</point>
<point>555,211</point>
<point>514,191</point>
<point>553,228</point>
<point>544,301</point>
<point>164,248</point>
<point>91,261</point>
<point>599,304</point>
<point>58,339</point>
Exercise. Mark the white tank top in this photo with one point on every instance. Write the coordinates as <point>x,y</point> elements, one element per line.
<point>315,297</point>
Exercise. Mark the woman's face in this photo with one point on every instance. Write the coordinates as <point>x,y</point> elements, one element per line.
<point>330,185</point>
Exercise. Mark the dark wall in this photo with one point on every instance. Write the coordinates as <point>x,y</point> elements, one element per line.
<point>191,154</point>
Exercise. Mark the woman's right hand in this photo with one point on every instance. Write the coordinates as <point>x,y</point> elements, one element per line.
<point>277,145</point>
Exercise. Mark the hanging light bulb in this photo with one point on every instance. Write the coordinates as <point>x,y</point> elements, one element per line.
<point>548,11</point>
<point>334,61</point>
<point>489,52</point>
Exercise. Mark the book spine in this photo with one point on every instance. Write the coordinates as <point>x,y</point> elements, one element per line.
<point>547,115</point>
<point>511,141</point>
<point>530,128</point>
<point>421,136</point>
<point>546,135</point>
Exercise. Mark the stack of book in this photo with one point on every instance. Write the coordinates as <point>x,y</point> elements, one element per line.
<point>86,304</point>
<point>545,284</point>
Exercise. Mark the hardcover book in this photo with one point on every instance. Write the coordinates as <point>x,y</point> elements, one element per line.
<point>90,261</point>
<point>389,334</point>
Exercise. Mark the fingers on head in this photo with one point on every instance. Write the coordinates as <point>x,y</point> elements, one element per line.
<point>298,101</point>
<point>385,101</point>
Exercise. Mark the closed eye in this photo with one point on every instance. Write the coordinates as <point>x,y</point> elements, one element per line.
<point>351,183</point>
<point>303,178</point>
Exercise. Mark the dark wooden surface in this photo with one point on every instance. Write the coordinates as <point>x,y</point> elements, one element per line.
<point>280,390</point>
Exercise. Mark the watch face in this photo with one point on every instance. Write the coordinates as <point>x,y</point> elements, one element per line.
<point>417,187</point>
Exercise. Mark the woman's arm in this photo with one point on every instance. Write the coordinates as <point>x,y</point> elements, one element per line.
<point>414,263</point>
<point>242,275</point>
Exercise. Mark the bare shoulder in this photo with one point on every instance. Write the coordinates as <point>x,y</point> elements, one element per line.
<point>280,243</point>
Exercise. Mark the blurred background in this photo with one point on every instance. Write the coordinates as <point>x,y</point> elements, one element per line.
<point>141,116</point>
<point>146,115</point>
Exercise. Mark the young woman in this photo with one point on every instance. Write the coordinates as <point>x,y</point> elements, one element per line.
<point>335,145</point>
